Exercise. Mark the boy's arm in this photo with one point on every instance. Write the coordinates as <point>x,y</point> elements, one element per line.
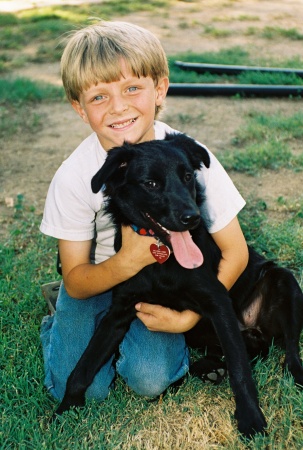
<point>83,279</point>
<point>233,246</point>
<point>234,251</point>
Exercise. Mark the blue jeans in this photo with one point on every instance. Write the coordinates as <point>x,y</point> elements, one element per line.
<point>148,361</point>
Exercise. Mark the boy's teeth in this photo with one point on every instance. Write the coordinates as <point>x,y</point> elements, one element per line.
<point>121,125</point>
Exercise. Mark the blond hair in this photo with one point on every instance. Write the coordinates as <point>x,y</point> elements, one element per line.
<point>93,54</point>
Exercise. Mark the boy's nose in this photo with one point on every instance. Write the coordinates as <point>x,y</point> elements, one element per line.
<point>117,105</point>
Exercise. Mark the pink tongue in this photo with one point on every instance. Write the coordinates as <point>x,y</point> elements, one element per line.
<point>185,250</point>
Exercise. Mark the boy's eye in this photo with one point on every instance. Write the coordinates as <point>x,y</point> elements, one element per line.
<point>133,89</point>
<point>99,97</point>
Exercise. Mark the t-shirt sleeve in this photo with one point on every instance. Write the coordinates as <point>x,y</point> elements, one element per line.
<point>68,213</point>
<point>223,201</point>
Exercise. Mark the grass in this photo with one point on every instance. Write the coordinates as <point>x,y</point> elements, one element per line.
<point>196,413</point>
<point>23,90</point>
<point>233,56</point>
<point>19,29</point>
<point>266,142</point>
<point>49,25</point>
<point>270,155</point>
<point>17,104</point>
<point>277,32</point>
<point>45,27</point>
<point>280,240</point>
<point>270,142</point>
<point>268,32</point>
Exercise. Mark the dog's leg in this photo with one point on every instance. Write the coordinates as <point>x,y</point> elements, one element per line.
<point>291,324</point>
<point>103,344</point>
<point>248,414</point>
<point>281,315</point>
<point>292,359</point>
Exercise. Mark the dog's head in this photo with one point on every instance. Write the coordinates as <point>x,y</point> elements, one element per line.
<point>154,177</point>
<point>153,185</point>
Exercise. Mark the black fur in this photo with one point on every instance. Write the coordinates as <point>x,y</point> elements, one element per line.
<point>158,177</point>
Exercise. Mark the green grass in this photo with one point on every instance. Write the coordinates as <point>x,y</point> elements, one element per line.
<point>266,142</point>
<point>197,412</point>
<point>270,155</point>
<point>259,126</point>
<point>18,98</point>
<point>269,78</point>
<point>17,120</point>
<point>46,27</point>
<point>233,56</point>
<point>27,259</point>
<point>22,257</point>
<point>23,90</point>
<point>217,32</point>
<point>19,29</point>
<point>277,32</point>
<point>280,240</point>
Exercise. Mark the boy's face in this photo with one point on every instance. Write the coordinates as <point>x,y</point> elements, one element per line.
<point>122,110</point>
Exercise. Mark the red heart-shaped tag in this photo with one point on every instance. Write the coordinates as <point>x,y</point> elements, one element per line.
<point>161,253</point>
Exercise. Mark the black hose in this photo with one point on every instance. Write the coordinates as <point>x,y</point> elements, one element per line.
<point>250,90</point>
<point>233,70</point>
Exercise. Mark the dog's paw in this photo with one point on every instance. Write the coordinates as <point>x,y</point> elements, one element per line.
<point>209,369</point>
<point>251,423</point>
<point>296,371</point>
<point>68,403</point>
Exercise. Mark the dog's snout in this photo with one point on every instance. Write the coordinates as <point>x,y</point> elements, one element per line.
<point>190,220</point>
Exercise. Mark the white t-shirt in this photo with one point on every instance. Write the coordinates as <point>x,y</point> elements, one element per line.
<point>74,213</point>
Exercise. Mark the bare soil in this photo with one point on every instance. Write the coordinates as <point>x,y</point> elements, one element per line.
<point>28,162</point>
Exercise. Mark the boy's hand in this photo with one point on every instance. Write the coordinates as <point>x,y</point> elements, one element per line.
<point>159,318</point>
<point>136,249</point>
<point>83,280</point>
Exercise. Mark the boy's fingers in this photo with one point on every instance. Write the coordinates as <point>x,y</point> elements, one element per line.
<point>147,308</point>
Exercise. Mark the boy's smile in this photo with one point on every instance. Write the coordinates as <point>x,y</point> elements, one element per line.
<point>123,124</point>
<point>122,110</point>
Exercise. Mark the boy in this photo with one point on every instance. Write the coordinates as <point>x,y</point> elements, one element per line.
<point>116,77</point>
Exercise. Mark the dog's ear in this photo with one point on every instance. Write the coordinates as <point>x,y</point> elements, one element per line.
<point>113,170</point>
<point>196,153</point>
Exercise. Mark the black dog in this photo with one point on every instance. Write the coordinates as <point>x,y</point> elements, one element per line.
<point>153,186</point>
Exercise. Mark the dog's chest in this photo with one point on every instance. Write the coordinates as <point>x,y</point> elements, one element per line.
<point>165,285</point>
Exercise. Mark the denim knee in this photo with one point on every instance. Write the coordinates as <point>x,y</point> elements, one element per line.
<point>65,336</point>
<point>150,361</point>
<point>147,383</point>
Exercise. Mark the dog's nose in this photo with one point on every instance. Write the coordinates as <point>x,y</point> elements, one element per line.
<point>190,220</point>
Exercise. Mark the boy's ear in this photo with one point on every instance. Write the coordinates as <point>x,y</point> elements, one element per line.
<point>79,110</point>
<point>161,90</point>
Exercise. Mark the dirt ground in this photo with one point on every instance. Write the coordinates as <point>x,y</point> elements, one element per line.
<point>28,162</point>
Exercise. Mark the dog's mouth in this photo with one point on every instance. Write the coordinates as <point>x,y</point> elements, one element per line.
<point>157,227</point>
<point>186,252</point>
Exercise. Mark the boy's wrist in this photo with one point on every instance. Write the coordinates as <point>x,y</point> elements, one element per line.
<point>126,265</point>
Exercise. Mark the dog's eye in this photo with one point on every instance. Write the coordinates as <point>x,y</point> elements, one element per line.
<point>188,177</point>
<point>151,184</point>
